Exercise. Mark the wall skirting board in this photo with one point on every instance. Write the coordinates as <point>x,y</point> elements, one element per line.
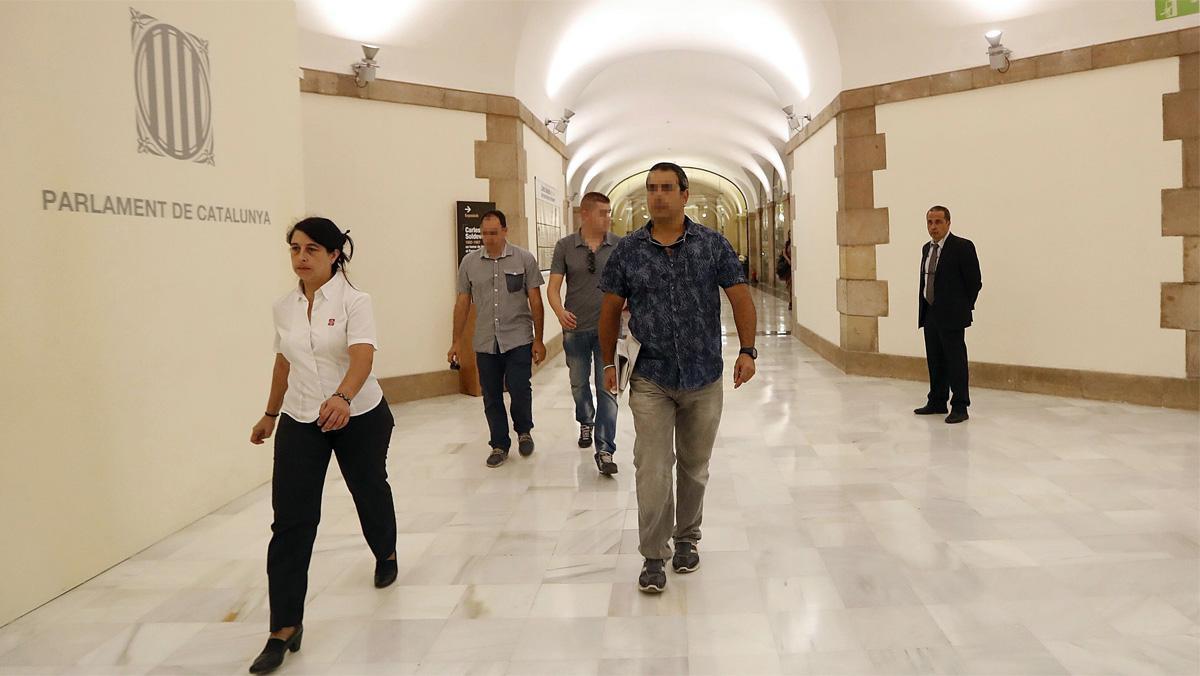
<point>412,387</point>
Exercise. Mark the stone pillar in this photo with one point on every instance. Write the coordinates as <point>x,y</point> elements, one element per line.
<point>501,160</point>
<point>861,298</point>
<point>1180,302</point>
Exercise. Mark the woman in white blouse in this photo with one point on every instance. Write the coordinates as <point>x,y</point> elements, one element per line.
<point>327,401</point>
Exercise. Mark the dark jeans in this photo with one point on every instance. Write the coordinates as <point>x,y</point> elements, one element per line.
<point>946,355</point>
<point>514,367</point>
<point>301,460</point>
<point>583,359</point>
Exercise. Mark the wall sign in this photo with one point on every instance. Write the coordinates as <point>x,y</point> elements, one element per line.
<point>548,213</point>
<point>469,235</point>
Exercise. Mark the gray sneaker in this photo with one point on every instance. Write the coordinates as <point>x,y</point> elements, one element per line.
<point>653,579</point>
<point>604,463</point>
<point>525,444</point>
<point>686,558</point>
<point>497,457</point>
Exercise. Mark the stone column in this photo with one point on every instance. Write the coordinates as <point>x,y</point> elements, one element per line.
<point>861,298</point>
<point>1180,302</point>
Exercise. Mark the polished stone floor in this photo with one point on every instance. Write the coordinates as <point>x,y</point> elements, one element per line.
<point>842,535</point>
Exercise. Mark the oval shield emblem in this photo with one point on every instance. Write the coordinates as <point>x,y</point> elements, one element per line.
<point>174,101</point>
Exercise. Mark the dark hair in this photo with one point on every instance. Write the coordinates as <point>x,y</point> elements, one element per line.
<point>671,166</point>
<point>326,233</point>
<point>496,214</point>
<point>942,209</point>
<point>593,198</point>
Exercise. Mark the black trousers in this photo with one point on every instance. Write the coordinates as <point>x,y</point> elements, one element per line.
<point>301,460</point>
<point>946,355</point>
<point>514,367</point>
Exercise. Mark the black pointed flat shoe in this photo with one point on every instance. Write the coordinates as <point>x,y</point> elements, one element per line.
<point>271,657</point>
<point>385,572</point>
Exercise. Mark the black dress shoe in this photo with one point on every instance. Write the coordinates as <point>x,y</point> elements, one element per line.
<point>929,409</point>
<point>385,572</point>
<point>957,415</point>
<point>271,656</point>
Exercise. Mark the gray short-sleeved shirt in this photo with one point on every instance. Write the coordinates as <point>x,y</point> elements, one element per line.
<point>583,287</point>
<point>499,287</point>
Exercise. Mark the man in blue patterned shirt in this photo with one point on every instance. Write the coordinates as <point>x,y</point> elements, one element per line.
<point>671,273</point>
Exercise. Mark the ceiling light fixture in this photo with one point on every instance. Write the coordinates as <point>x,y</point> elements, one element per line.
<point>560,126</point>
<point>364,70</point>
<point>997,53</point>
<point>795,122</point>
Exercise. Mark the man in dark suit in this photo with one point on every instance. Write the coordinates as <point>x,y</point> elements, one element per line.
<point>950,283</point>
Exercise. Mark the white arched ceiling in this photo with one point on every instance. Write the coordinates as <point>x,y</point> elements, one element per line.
<point>663,106</point>
<point>602,58</point>
<point>689,81</point>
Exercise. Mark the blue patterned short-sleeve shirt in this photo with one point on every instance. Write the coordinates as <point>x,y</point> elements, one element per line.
<point>674,294</point>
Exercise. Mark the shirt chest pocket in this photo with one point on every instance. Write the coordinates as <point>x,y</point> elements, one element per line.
<point>514,281</point>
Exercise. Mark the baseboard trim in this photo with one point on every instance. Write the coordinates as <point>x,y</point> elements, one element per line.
<point>1177,393</point>
<point>416,386</point>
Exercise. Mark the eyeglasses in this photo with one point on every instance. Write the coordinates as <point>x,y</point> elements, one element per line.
<point>591,261</point>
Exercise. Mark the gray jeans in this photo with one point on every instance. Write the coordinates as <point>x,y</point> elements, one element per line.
<point>671,425</point>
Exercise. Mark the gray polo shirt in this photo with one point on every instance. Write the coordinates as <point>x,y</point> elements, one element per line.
<point>583,287</point>
<point>499,287</point>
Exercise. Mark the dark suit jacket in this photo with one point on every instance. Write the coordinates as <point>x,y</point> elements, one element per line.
<point>956,284</point>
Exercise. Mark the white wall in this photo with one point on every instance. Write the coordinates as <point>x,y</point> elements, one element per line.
<point>1057,182</point>
<point>935,36</point>
<point>394,182</point>
<point>543,162</point>
<point>137,351</point>
<point>814,235</point>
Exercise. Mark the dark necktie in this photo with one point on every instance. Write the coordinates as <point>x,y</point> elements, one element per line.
<point>932,269</point>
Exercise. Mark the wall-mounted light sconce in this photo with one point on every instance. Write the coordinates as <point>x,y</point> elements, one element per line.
<point>364,70</point>
<point>795,122</point>
<point>997,53</point>
<point>560,126</point>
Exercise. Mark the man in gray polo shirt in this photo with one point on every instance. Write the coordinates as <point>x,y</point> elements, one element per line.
<point>504,283</point>
<point>580,258</point>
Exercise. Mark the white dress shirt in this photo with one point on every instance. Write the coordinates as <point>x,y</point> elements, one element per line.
<point>319,350</point>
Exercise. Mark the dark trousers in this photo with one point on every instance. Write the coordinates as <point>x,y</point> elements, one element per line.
<point>514,367</point>
<point>946,355</point>
<point>301,459</point>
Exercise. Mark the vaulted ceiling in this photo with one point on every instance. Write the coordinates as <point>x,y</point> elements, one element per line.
<point>698,82</point>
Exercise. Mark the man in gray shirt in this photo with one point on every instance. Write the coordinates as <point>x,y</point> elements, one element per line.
<point>504,283</point>
<point>580,257</point>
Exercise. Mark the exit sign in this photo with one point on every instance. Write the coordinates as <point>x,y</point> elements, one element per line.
<point>1169,9</point>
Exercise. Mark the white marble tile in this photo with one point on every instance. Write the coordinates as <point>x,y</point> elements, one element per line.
<point>842,535</point>
<point>572,600</point>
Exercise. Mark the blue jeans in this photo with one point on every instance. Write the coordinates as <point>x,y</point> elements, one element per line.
<point>512,369</point>
<point>583,358</point>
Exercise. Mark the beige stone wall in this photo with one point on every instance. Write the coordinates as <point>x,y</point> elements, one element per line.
<point>814,235</point>
<point>395,186</point>
<point>1132,360</point>
<point>137,350</point>
<point>1057,183</point>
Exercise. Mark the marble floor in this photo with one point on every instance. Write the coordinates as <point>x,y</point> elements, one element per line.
<point>842,535</point>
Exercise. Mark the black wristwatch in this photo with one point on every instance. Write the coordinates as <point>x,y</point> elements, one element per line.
<point>750,351</point>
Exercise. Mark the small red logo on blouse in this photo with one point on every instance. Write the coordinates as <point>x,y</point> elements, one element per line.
<point>331,321</point>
